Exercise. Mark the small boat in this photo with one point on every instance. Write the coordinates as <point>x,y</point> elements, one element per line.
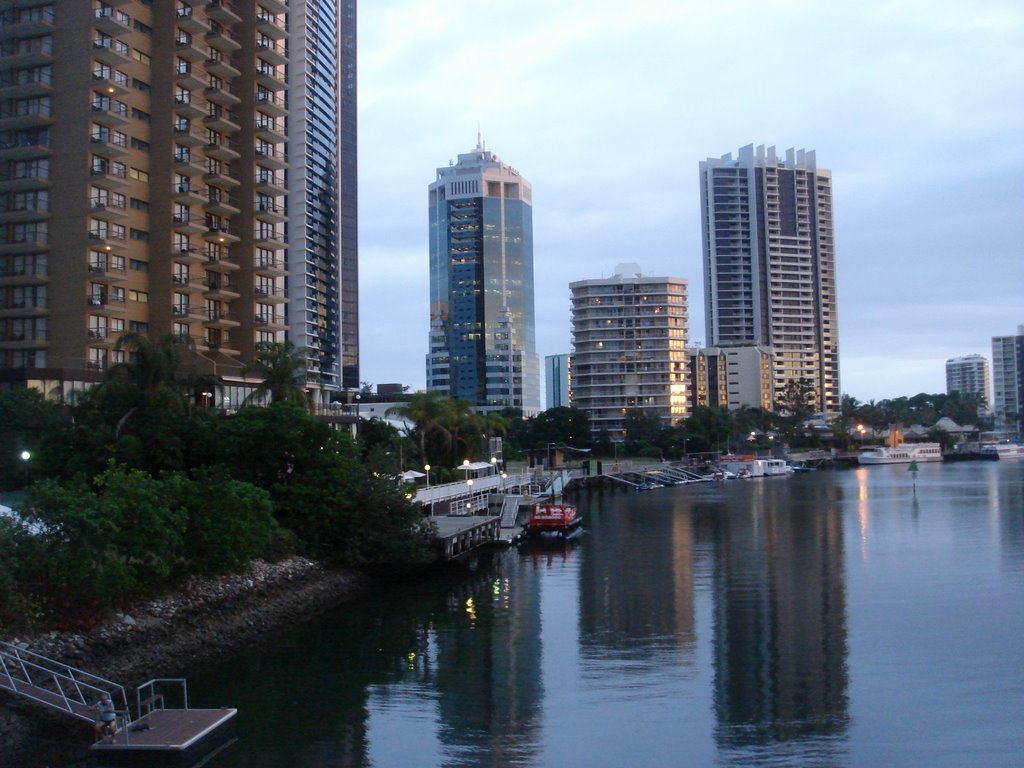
<point>557,520</point>
<point>1003,451</point>
<point>902,454</point>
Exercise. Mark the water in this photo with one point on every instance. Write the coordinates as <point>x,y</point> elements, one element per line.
<point>828,619</point>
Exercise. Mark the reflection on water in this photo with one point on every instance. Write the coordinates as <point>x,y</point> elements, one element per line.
<point>819,620</point>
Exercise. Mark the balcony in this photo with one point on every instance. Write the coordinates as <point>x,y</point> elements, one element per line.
<point>222,150</point>
<point>28,54</point>
<point>270,131</point>
<point>25,83</point>
<point>103,239</point>
<point>188,255</point>
<point>222,121</point>
<point>33,24</point>
<point>221,95</point>
<point>113,114</point>
<point>113,53</point>
<point>108,177</point>
<point>188,136</point>
<point>270,77</point>
<point>30,242</point>
<point>271,267</point>
<point>220,207</point>
<point>220,289</point>
<point>270,295</point>
<point>273,6</point>
<point>27,339</point>
<point>104,305</point>
<point>101,336</point>
<point>24,114</point>
<point>219,66</point>
<point>272,52</point>
<point>186,19</point>
<point>109,146</point>
<point>268,321</point>
<point>219,262</point>
<point>267,157</point>
<point>222,12</point>
<point>20,181</point>
<point>220,233</point>
<point>187,313</point>
<point>102,208</point>
<point>113,84</point>
<point>269,239</point>
<point>23,274</point>
<point>216,318</point>
<point>189,164</point>
<point>189,194</point>
<point>187,76</point>
<point>221,40</point>
<point>190,48</point>
<point>186,284</point>
<point>188,224</point>
<point>270,25</point>
<point>103,272</point>
<point>112,22</point>
<point>221,180</point>
<point>27,212</point>
<point>270,184</point>
<point>189,107</point>
<point>271,104</point>
<point>270,213</point>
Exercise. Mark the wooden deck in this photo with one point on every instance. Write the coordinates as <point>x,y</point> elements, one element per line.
<point>458,534</point>
<point>174,737</point>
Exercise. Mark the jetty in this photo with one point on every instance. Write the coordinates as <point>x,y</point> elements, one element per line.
<point>155,727</point>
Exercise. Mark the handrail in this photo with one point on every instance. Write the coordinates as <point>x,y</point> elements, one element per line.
<point>147,705</point>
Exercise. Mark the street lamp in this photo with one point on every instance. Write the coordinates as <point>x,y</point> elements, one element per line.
<point>465,467</point>
<point>494,465</point>
<point>426,468</point>
<point>25,456</point>
<point>504,477</point>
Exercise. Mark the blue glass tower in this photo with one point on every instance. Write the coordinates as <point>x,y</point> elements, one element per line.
<point>482,320</point>
<point>323,237</point>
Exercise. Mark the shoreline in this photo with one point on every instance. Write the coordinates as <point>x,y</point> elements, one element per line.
<point>202,620</point>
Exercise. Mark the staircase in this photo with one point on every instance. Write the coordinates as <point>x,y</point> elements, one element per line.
<point>55,684</point>
<point>509,511</point>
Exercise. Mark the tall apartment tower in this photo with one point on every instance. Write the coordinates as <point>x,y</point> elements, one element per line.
<point>323,235</point>
<point>968,375</point>
<point>142,181</point>
<point>1008,381</point>
<point>629,348</point>
<point>769,264</point>
<point>558,381</point>
<point>482,321</point>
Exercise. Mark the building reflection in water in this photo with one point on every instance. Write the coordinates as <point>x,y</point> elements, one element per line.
<point>779,617</point>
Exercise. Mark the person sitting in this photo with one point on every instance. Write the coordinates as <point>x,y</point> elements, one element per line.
<point>106,719</point>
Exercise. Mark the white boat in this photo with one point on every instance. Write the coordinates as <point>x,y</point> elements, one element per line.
<point>902,454</point>
<point>777,467</point>
<point>1003,451</point>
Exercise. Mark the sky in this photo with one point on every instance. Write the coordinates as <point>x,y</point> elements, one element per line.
<point>607,108</point>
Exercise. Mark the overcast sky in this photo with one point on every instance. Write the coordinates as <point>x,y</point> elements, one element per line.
<point>607,107</point>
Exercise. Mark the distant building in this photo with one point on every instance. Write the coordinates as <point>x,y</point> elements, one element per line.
<point>769,264</point>
<point>629,348</point>
<point>1008,380</point>
<point>482,320</point>
<point>969,375</point>
<point>730,377</point>
<point>558,379</point>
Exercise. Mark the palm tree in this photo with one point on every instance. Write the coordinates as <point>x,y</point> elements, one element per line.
<point>428,411</point>
<point>147,376</point>
<point>282,370</point>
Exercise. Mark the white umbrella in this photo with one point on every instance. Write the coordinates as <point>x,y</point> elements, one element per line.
<point>410,475</point>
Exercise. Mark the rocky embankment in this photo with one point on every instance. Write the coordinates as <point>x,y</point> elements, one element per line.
<point>167,637</point>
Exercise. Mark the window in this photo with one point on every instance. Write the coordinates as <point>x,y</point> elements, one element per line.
<point>141,57</point>
<point>139,144</point>
<point>140,296</point>
<point>141,116</point>
<point>137,326</point>
<point>140,85</point>
<point>143,28</point>
<point>139,234</point>
<point>138,174</point>
<point>139,205</point>
<point>138,266</point>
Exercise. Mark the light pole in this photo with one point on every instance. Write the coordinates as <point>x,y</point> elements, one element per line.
<point>469,490</point>
<point>25,456</point>
<point>504,477</point>
<point>465,467</point>
<point>426,468</point>
<point>356,432</point>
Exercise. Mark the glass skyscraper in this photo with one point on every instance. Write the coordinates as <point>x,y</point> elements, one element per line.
<point>323,301</point>
<point>482,320</point>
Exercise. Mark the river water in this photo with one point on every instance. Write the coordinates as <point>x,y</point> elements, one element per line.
<point>847,618</point>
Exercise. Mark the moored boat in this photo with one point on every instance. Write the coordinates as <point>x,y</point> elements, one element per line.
<point>558,520</point>
<point>1003,451</point>
<point>901,454</point>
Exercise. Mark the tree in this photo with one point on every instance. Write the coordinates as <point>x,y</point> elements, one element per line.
<point>428,411</point>
<point>28,422</point>
<point>282,370</point>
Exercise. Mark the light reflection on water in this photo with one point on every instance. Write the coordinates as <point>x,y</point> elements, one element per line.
<point>829,619</point>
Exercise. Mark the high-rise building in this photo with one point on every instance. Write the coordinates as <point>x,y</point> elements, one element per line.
<point>1008,380</point>
<point>769,264</point>
<point>629,349</point>
<point>142,181</point>
<point>482,322</point>
<point>730,377</point>
<point>968,375</point>
<point>558,380</point>
<point>323,240</point>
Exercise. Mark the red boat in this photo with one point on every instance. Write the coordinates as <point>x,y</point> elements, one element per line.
<point>553,520</point>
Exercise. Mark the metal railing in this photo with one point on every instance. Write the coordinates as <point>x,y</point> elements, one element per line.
<point>55,684</point>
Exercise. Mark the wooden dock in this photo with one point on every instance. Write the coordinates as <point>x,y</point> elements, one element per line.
<point>458,534</point>
<point>169,737</point>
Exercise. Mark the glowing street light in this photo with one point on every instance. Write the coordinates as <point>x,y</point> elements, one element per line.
<point>426,468</point>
